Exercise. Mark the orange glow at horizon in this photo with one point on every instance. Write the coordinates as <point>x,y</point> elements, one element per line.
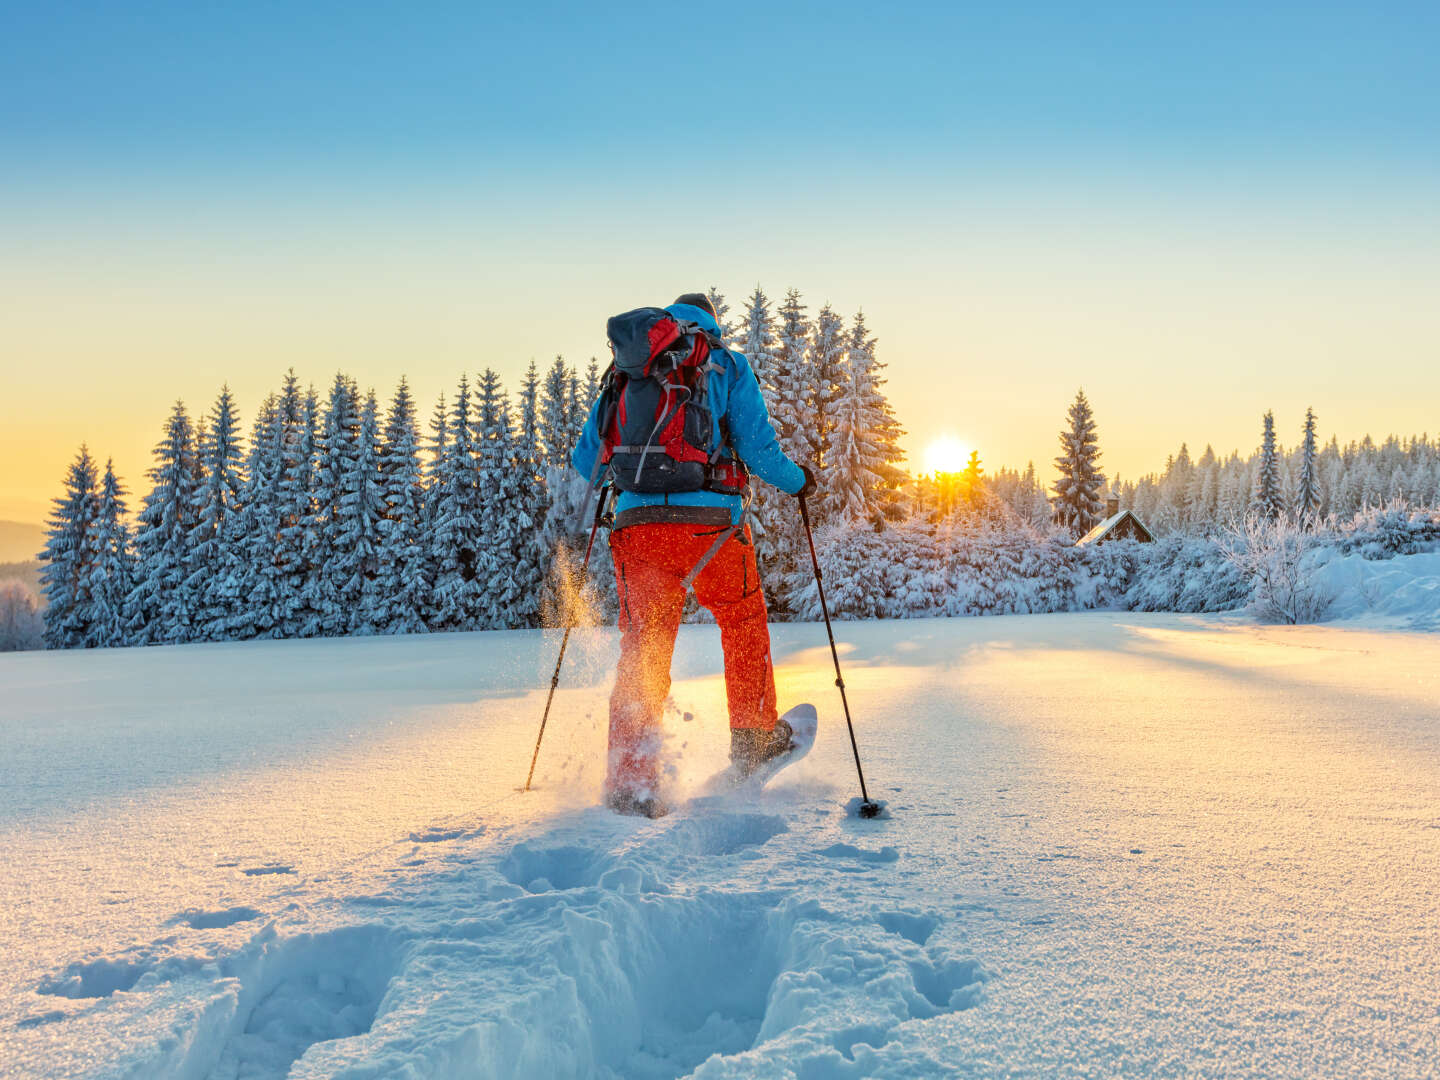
<point>947,454</point>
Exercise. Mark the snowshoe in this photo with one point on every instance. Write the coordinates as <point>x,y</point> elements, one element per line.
<point>636,804</point>
<point>756,756</point>
<point>752,747</point>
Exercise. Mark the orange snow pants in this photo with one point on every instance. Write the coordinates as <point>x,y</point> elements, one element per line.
<point>651,562</point>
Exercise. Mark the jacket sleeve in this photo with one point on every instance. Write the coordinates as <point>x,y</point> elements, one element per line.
<point>587,449</point>
<point>752,434</point>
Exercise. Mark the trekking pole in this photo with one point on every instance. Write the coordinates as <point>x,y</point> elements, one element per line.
<point>565,640</point>
<point>868,808</point>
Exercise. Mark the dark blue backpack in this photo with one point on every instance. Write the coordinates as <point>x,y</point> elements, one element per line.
<point>656,429</point>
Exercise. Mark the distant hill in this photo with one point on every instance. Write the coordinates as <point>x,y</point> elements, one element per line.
<point>19,541</point>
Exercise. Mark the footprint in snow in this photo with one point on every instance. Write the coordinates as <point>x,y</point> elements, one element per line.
<point>725,834</point>
<point>214,920</point>
<point>309,990</point>
<point>51,1017</point>
<point>436,835</point>
<point>850,851</point>
<point>98,978</point>
<point>543,869</point>
<point>913,928</point>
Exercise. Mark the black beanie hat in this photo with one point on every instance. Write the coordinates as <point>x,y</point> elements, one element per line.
<point>697,299</point>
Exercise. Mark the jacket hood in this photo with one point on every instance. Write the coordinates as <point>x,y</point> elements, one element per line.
<point>691,313</point>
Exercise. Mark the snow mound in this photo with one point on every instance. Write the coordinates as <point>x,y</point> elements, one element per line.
<point>1403,591</point>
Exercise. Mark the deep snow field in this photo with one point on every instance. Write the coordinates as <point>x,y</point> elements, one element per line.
<point>1120,845</point>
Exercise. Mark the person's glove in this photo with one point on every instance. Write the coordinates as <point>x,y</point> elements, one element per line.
<point>808,488</point>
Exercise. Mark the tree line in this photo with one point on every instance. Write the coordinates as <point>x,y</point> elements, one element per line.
<point>336,516</point>
<point>1307,483</point>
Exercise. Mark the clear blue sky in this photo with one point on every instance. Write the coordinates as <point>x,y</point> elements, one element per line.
<point>1023,200</point>
<point>152,90</point>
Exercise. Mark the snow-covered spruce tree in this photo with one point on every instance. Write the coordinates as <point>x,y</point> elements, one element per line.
<point>361,508</point>
<point>1372,486</point>
<point>722,313</point>
<point>455,534</point>
<point>498,495</point>
<point>1420,487</point>
<point>865,474</point>
<point>1204,491</point>
<point>593,376</point>
<point>1332,482</point>
<point>403,585</point>
<point>68,558</point>
<point>532,554</point>
<point>574,406</point>
<point>1031,505</point>
<point>1268,500</point>
<point>555,413</point>
<point>1307,495</point>
<point>1234,499</point>
<point>305,619</point>
<point>757,339</point>
<point>790,380</point>
<point>1397,491</point>
<point>247,587</point>
<point>161,607</point>
<point>293,503</point>
<point>439,449</point>
<point>1175,486</point>
<point>972,481</point>
<point>1345,500</point>
<point>852,478</point>
<point>112,576</point>
<point>221,454</point>
<point>324,611</point>
<point>788,383</point>
<point>435,469</point>
<point>1077,503</point>
<point>825,368</point>
<point>884,431</point>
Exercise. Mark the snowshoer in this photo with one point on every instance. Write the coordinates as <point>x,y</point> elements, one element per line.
<point>680,424</point>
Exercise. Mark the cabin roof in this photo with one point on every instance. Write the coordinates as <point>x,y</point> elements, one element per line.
<point>1106,527</point>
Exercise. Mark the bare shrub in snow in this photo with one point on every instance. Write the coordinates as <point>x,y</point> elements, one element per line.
<point>1279,557</point>
<point>21,624</point>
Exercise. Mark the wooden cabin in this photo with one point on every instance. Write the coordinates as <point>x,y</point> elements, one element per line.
<point>1118,525</point>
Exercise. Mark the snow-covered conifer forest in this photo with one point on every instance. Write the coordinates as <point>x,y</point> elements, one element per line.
<point>341,514</point>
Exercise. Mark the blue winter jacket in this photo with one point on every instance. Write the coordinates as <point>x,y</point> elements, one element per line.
<point>734,395</point>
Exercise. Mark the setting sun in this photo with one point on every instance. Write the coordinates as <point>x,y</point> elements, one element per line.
<point>946,454</point>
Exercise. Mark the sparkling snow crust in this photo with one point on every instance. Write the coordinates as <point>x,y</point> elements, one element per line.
<point>1119,845</point>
